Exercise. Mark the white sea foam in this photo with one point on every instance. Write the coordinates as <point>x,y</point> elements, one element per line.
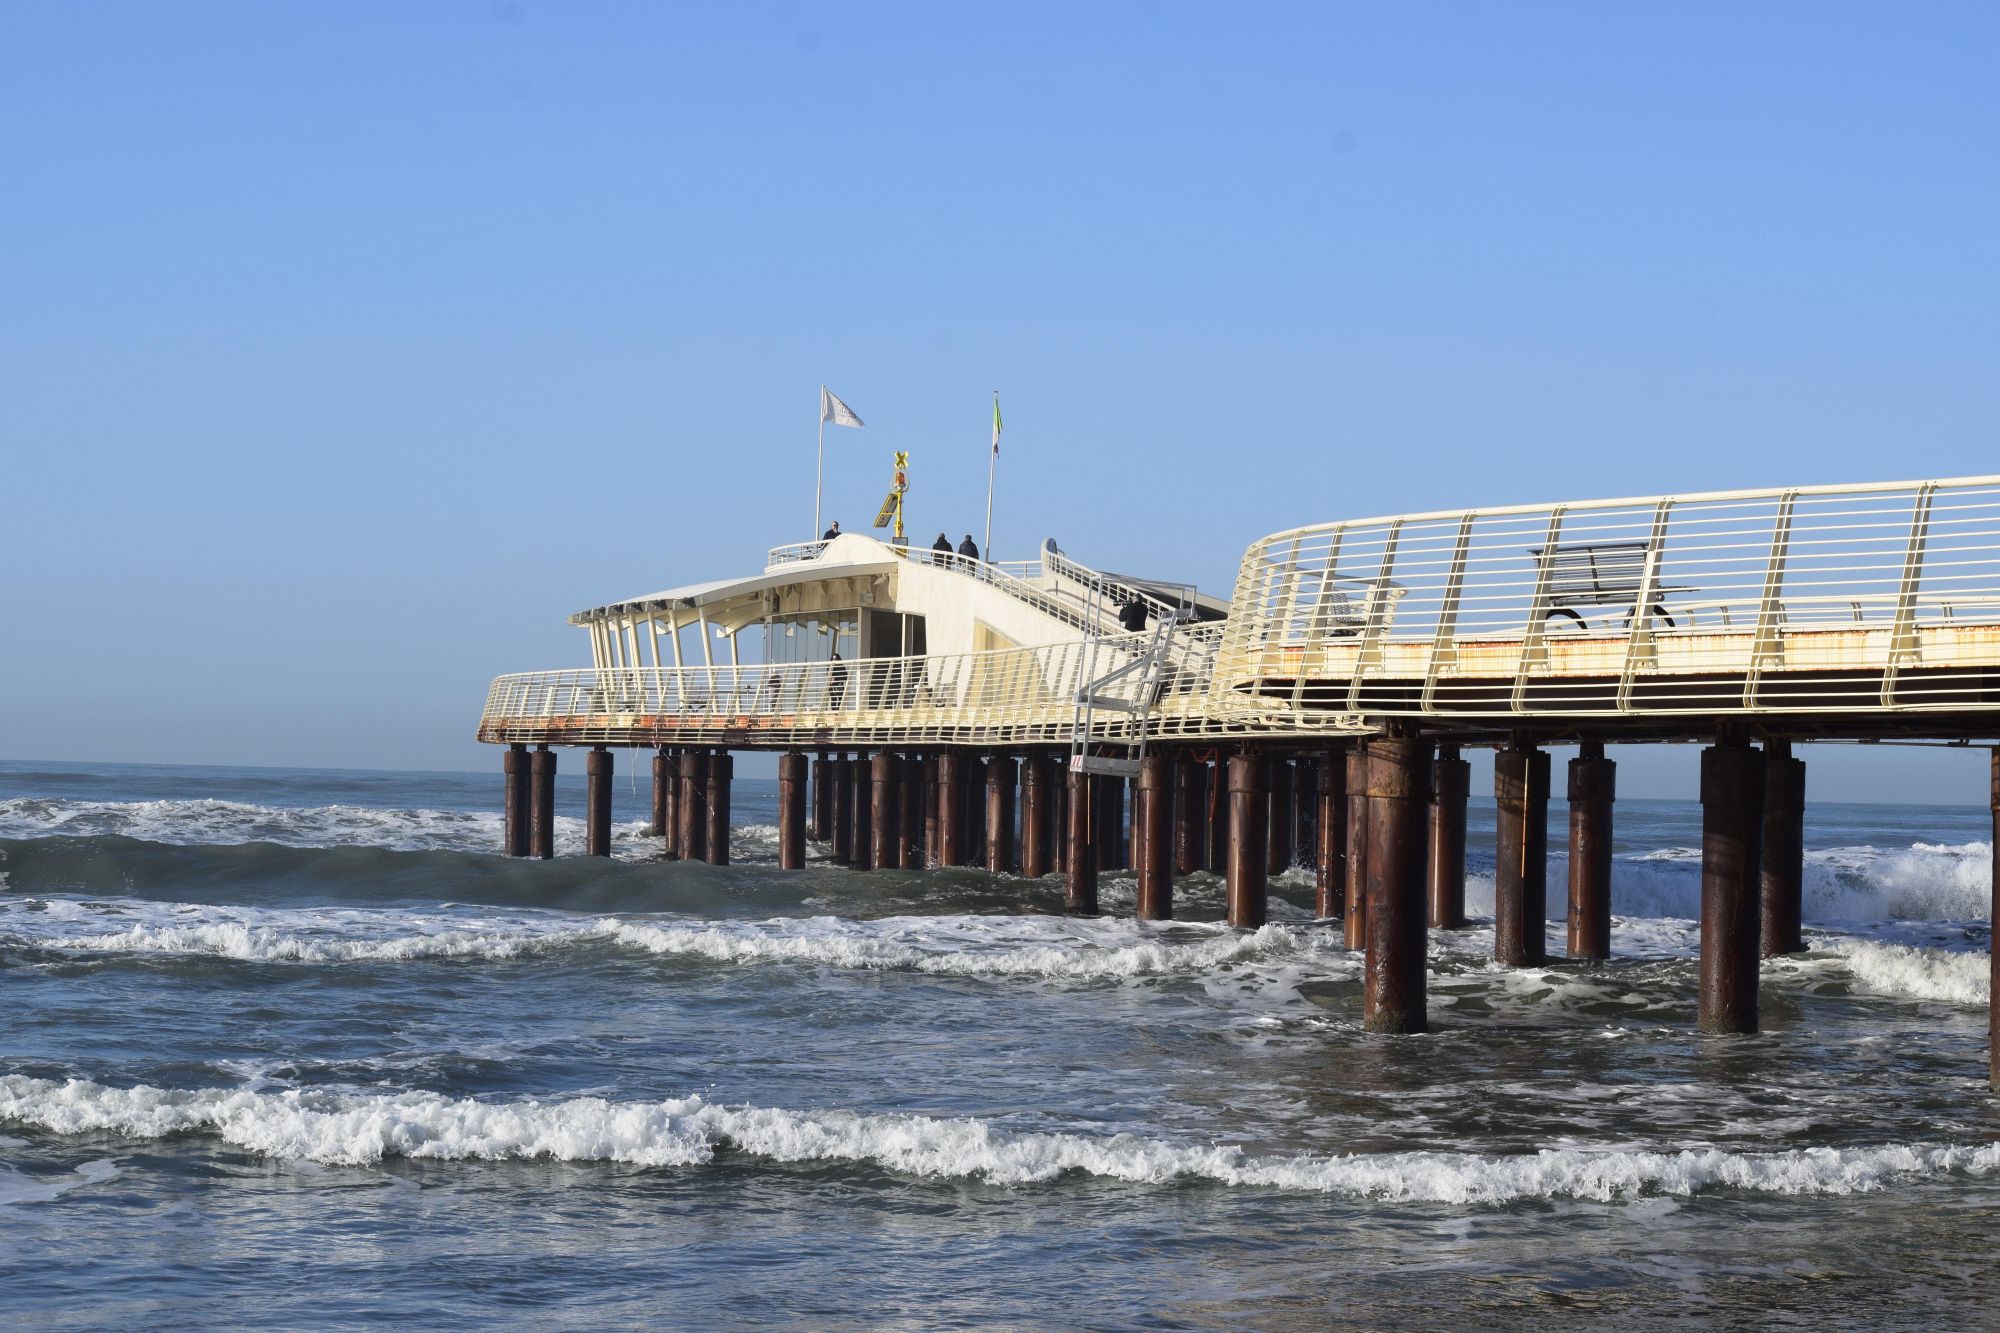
<point>359,1129</point>
<point>1947,975</point>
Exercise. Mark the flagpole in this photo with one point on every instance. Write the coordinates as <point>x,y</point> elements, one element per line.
<point>819,473</point>
<point>992,459</point>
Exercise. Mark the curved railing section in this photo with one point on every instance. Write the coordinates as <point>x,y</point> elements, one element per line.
<point>1813,599</point>
<point>1017,579</point>
<point>1007,697</point>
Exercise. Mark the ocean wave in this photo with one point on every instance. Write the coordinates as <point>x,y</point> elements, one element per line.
<point>1901,970</point>
<point>354,1129</point>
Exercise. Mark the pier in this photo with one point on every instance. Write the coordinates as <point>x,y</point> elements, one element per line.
<point>934,710</point>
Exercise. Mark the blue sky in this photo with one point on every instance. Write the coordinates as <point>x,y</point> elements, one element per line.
<point>345,349</point>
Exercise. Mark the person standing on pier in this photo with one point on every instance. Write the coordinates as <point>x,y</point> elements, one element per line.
<point>967,549</point>
<point>943,543</point>
<point>831,532</point>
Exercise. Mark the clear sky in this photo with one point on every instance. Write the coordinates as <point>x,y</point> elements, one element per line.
<point>346,348</point>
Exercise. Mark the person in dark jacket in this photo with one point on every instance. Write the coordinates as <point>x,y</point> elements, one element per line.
<point>967,549</point>
<point>943,543</point>
<point>1132,615</point>
<point>832,532</point>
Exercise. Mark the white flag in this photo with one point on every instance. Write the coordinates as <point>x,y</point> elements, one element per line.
<point>832,409</point>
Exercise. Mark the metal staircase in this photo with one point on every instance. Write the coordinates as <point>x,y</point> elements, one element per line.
<point>1142,678</point>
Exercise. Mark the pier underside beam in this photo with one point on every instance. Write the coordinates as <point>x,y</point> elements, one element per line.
<point>1451,785</point>
<point>1521,854</point>
<point>514,823</point>
<point>1732,824</point>
<point>542,772</point>
<point>1154,817</point>
<point>721,769</point>
<point>1399,798</point>
<point>1080,882</point>
<point>1330,873</point>
<point>792,811</point>
<point>1593,787</point>
<point>597,802</point>
<point>1355,919</point>
<point>1783,875</point>
<point>1001,776</point>
<point>1249,857</point>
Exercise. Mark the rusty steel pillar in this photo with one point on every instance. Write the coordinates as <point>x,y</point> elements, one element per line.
<point>1059,819</point>
<point>1190,816</point>
<point>517,797</point>
<point>1037,856</point>
<point>1249,857</point>
<point>597,802</point>
<point>1593,786</point>
<point>1284,816</point>
<point>950,810</point>
<point>1080,879</point>
<point>1354,925</point>
<point>1107,804</point>
<point>1217,805</point>
<point>693,811</point>
<point>975,811</point>
<point>1330,870</point>
<point>932,857</point>
<point>1732,828</point>
<point>667,800</point>
<point>1001,776</point>
<point>721,768</point>
<point>885,803</point>
<point>1155,817</point>
<point>663,781</point>
<point>842,800</point>
<point>1784,869</point>
<point>792,811</point>
<point>861,809</point>
<point>822,799</point>
<point>1993,950</point>
<point>1451,785</point>
<point>1305,814</point>
<point>1521,855</point>
<point>542,780</point>
<point>1399,801</point>
<point>910,820</point>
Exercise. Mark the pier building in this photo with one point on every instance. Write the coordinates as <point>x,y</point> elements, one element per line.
<point>933,709</point>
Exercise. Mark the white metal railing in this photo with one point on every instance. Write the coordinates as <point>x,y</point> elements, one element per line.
<point>1024,580</point>
<point>1847,598</point>
<point>1008,695</point>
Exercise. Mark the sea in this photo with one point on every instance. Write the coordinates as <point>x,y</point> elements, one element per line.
<point>286,1048</point>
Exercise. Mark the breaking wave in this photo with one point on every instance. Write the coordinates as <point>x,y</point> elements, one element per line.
<point>355,1129</point>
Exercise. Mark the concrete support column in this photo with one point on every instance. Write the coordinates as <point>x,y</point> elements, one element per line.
<point>1284,818</point>
<point>542,778</point>
<point>1593,786</point>
<point>1732,828</point>
<point>792,811</point>
<point>1521,855</point>
<point>1155,818</point>
<point>1190,815</point>
<point>1355,920</point>
<point>841,798</point>
<point>950,809</point>
<point>1037,801</point>
<point>822,799</point>
<point>1080,886</point>
<point>1784,856</point>
<point>597,803</point>
<point>1451,785</point>
<point>694,805</point>
<point>885,805</point>
<point>517,797</point>
<point>1399,803</point>
<point>1249,856</point>
<point>1002,773</point>
<point>1330,874</point>
<point>721,769</point>
<point>861,809</point>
